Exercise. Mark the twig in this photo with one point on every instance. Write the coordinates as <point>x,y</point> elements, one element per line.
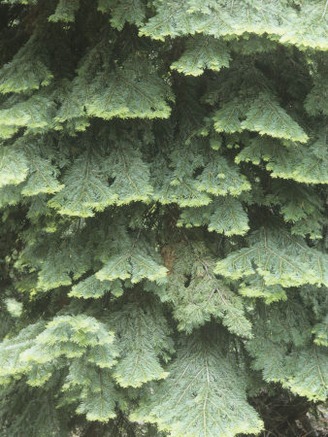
<point>325,9</point>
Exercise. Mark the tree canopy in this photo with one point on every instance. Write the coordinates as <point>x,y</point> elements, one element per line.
<point>163,204</point>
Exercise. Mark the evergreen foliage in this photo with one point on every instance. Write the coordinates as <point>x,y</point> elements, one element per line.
<point>163,206</point>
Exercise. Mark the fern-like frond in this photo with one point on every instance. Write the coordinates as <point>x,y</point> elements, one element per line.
<point>201,53</point>
<point>203,395</point>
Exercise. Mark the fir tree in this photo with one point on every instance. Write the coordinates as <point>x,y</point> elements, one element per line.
<point>163,203</point>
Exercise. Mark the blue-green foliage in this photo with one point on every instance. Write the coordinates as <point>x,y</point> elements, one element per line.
<point>163,207</point>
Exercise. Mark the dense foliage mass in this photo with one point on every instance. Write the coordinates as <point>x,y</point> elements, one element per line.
<point>163,241</point>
